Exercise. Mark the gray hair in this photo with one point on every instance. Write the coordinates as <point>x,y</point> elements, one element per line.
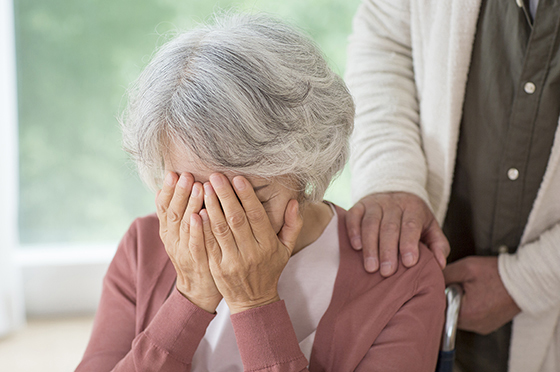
<point>247,94</point>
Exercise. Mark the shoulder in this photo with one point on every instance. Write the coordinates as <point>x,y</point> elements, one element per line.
<point>411,299</point>
<point>142,231</point>
<point>425,276</point>
<point>141,243</point>
<point>143,227</point>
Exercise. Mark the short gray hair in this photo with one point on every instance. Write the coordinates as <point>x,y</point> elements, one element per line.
<point>248,94</point>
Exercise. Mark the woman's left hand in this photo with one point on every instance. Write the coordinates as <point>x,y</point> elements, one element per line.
<point>246,256</point>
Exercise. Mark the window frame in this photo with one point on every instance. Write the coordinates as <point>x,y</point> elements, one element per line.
<point>11,306</point>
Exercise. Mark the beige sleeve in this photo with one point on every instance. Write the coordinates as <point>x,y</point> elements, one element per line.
<point>532,274</point>
<point>386,145</point>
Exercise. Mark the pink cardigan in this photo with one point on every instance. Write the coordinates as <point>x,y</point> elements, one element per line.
<point>371,324</point>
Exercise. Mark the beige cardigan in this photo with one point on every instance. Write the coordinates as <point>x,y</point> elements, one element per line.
<point>407,69</point>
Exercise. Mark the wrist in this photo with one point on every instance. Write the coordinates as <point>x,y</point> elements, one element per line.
<point>208,304</point>
<point>237,307</point>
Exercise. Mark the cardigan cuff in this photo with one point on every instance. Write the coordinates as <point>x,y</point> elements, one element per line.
<point>531,275</point>
<point>362,190</point>
<point>265,337</point>
<point>179,326</point>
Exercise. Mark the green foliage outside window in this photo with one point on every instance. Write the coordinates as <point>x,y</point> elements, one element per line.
<point>74,61</point>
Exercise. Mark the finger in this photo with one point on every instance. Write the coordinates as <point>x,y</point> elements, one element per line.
<point>437,242</point>
<point>163,199</point>
<point>370,236</point>
<point>214,253</point>
<point>196,200</point>
<point>354,224</point>
<point>389,233</point>
<point>196,240</point>
<point>178,205</point>
<point>218,224</point>
<point>292,226</point>
<point>232,209</point>
<point>254,210</point>
<point>411,232</point>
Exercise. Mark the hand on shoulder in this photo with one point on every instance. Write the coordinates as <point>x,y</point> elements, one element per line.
<point>386,225</point>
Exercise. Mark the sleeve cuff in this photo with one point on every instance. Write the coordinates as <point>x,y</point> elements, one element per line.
<point>179,326</point>
<point>360,191</point>
<point>265,337</point>
<point>532,275</point>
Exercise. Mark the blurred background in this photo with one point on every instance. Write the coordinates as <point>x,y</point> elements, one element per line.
<point>67,190</point>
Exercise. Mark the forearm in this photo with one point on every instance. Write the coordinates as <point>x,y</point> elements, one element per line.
<point>168,343</point>
<point>532,275</point>
<point>266,339</point>
<point>386,144</point>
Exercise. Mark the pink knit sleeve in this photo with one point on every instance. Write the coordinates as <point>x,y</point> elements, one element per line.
<point>167,344</point>
<point>267,341</point>
<point>410,341</point>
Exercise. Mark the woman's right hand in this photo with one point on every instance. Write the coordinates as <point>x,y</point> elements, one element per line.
<point>180,228</point>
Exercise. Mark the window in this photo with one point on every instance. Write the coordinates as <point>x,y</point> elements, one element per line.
<point>74,62</point>
<point>11,304</point>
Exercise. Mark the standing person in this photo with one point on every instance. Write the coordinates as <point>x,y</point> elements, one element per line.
<point>457,120</point>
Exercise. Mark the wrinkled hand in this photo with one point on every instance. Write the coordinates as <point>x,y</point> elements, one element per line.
<point>486,304</point>
<point>245,254</point>
<point>384,224</point>
<point>180,227</point>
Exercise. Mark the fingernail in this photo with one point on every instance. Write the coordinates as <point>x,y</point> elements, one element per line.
<point>371,264</point>
<point>442,262</point>
<point>182,182</point>
<point>208,190</point>
<point>216,180</point>
<point>357,243</point>
<point>169,179</point>
<point>239,183</point>
<point>386,268</point>
<point>195,191</point>
<point>408,259</point>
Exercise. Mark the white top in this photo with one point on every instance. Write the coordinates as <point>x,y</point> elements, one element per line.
<point>306,286</point>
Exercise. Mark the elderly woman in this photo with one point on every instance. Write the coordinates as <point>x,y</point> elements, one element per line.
<point>245,267</point>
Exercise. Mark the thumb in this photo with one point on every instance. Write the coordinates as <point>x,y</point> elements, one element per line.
<point>436,241</point>
<point>457,272</point>
<point>292,226</point>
